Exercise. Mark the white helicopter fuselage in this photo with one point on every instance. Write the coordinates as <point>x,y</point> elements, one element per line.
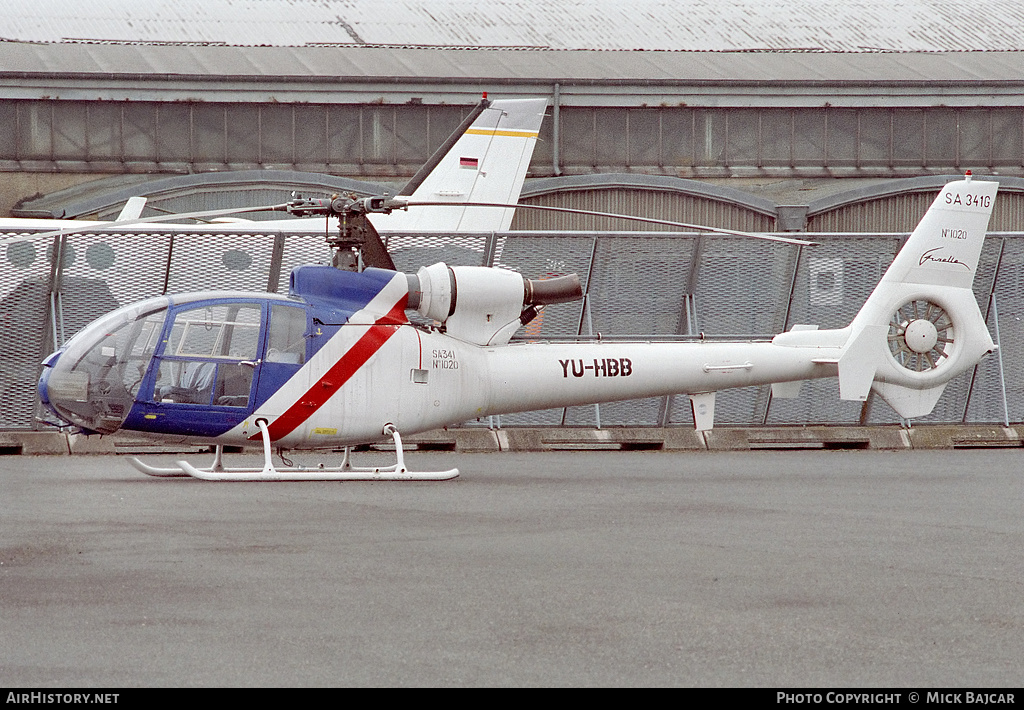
<point>425,380</point>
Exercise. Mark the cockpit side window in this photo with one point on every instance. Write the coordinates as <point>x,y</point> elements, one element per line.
<point>287,340</point>
<point>221,331</point>
<point>93,381</point>
<point>122,353</point>
<point>185,381</point>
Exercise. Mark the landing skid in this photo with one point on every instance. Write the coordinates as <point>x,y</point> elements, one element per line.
<point>345,472</point>
<point>176,471</point>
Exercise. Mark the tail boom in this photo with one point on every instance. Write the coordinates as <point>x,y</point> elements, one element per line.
<point>539,376</point>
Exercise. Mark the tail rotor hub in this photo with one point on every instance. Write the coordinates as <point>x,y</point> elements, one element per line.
<point>920,335</point>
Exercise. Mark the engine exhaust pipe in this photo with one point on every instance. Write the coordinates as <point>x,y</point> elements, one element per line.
<point>562,289</point>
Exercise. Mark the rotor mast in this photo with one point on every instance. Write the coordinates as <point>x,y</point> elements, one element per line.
<point>357,243</point>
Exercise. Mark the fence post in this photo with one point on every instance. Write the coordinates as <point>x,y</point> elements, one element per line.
<point>55,287</point>
<point>999,353</point>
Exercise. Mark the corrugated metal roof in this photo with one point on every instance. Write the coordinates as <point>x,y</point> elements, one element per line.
<point>347,64</point>
<point>674,25</point>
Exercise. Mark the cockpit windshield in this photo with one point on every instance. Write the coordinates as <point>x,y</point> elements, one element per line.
<point>96,378</point>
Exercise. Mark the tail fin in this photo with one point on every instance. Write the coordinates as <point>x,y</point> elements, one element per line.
<point>487,163</point>
<point>921,327</point>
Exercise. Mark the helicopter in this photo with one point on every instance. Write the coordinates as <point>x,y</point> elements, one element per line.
<point>353,356</point>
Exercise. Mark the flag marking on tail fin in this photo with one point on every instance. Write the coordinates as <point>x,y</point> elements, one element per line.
<point>505,133</point>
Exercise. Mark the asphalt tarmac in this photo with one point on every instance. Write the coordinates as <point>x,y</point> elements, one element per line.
<point>826,569</point>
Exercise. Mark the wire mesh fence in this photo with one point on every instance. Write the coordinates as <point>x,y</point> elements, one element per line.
<point>635,284</point>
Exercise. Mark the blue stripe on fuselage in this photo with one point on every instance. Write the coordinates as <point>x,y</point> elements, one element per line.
<point>205,421</point>
<point>335,293</point>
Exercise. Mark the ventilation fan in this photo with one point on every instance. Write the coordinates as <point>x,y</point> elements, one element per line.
<point>920,335</point>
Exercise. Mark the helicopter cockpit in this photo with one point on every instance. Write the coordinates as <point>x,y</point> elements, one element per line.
<point>195,360</point>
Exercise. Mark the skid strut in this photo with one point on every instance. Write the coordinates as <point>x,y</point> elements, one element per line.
<point>345,472</point>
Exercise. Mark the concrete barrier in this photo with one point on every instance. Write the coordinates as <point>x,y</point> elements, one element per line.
<point>466,440</point>
<point>479,439</point>
<point>881,438</point>
<point>821,437</point>
<point>33,442</point>
<point>948,437</point>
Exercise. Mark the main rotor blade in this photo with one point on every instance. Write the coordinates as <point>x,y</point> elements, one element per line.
<point>648,220</point>
<point>165,218</point>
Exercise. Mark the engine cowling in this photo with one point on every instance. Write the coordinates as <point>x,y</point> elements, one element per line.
<point>485,305</point>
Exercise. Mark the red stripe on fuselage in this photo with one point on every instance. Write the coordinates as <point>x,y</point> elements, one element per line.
<point>340,373</point>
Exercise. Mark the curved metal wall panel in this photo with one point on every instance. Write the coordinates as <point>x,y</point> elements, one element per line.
<point>901,213</point>
<point>898,213</point>
<point>655,204</point>
<point>1008,213</point>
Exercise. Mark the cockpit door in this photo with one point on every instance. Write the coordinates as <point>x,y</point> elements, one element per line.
<point>286,351</point>
<point>203,380</point>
